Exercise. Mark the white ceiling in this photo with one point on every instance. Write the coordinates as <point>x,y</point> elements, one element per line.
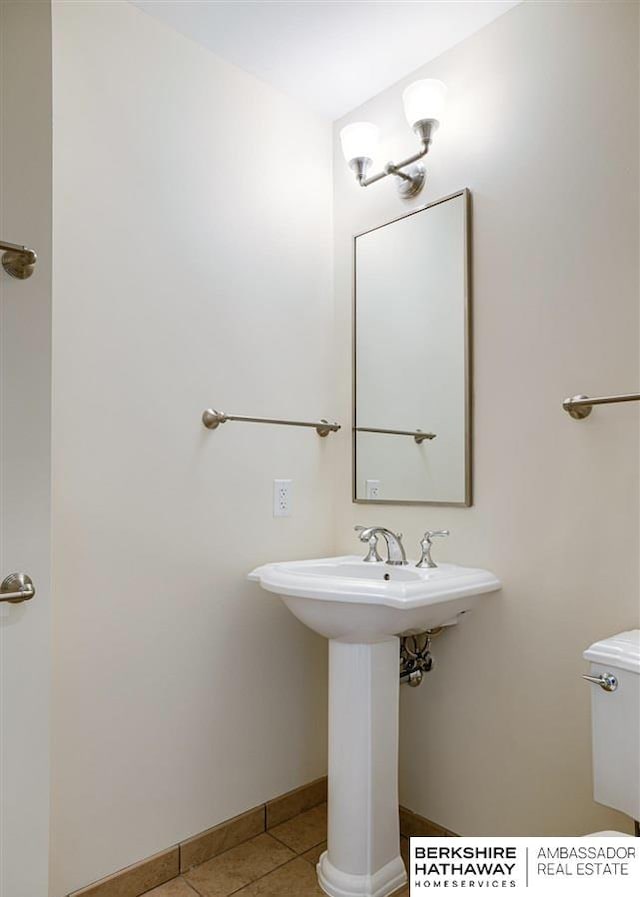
<point>331,54</point>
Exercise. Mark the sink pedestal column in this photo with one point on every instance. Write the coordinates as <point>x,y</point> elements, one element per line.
<point>363,856</point>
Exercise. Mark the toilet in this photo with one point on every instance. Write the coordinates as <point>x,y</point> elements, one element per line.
<point>614,677</point>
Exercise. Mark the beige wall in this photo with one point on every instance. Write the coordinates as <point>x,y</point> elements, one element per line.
<point>193,243</point>
<point>542,126</point>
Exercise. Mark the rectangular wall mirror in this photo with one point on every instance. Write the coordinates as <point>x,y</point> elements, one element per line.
<point>412,376</point>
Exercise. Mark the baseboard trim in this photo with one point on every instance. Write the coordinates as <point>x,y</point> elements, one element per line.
<point>154,871</point>
<point>412,825</point>
<point>162,867</point>
<point>138,878</point>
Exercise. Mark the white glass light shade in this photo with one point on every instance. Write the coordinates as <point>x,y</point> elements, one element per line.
<point>424,100</point>
<point>359,140</point>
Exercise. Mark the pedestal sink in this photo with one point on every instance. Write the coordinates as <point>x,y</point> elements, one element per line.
<point>362,608</point>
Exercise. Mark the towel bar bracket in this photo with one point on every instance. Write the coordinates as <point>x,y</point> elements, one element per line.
<point>579,407</point>
<point>577,412</point>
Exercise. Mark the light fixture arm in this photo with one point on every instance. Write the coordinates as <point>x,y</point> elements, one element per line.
<point>411,181</point>
<point>394,168</point>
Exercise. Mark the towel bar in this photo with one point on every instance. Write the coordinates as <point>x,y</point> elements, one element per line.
<point>211,419</point>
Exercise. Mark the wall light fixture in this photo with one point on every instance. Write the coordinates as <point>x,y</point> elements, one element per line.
<point>423,106</point>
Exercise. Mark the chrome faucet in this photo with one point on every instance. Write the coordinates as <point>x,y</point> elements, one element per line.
<point>426,544</point>
<point>395,549</point>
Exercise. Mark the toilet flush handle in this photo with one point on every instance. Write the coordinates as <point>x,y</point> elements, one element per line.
<point>606,681</point>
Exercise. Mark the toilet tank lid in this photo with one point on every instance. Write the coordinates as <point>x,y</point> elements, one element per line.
<point>621,651</point>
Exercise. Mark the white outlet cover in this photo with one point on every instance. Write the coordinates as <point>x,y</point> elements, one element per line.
<point>372,489</point>
<point>282,498</point>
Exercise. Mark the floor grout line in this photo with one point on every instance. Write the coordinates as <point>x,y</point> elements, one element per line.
<point>189,885</point>
<point>298,854</point>
<point>279,866</point>
<point>259,878</point>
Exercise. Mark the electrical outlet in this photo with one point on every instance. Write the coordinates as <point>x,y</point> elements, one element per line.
<point>372,489</point>
<point>282,498</point>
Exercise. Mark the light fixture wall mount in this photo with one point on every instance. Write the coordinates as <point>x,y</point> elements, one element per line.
<point>423,104</point>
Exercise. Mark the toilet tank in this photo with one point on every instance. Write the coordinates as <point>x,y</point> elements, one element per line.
<point>615,722</point>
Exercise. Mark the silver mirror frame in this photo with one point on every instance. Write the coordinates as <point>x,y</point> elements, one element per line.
<point>468,359</point>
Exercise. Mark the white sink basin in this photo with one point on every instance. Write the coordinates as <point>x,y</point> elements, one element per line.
<point>362,608</point>
<point>345,598</point>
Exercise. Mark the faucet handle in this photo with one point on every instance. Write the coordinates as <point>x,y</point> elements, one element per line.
<point>361,529</point>
<point>372,555</point>
<point>426,543</point>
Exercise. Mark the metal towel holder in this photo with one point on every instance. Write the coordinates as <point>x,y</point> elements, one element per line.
<point>212,419</point>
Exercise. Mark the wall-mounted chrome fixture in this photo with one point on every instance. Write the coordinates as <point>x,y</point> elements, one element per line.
<point>18,261</point>
<point>423,106</point>
<point>580,407</point>
<point>212,419</point>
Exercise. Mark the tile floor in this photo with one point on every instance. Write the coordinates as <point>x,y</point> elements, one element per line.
<point>278,863</point>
